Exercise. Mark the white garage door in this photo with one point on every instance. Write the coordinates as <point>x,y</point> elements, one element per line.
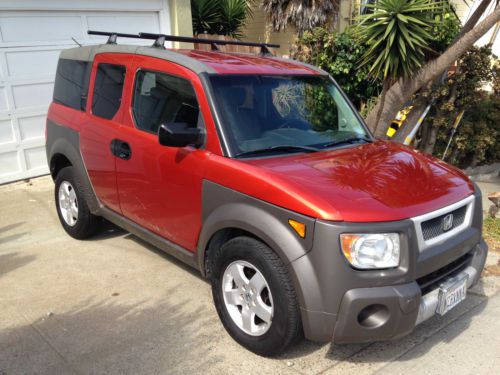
<point>30,42</point>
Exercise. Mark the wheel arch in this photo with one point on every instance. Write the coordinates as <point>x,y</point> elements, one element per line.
<point>63,149</point>
<point>227,214</point>
<point>57,162</point>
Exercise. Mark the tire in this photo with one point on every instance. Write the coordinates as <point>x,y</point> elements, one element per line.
<point>248,255</point>
<point>79,224</point>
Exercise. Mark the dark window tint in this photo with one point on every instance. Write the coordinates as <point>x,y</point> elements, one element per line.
<point>161,98</point>
<point>70,87</point>
<point>108,90</point>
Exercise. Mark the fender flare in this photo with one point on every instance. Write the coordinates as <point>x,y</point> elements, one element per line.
<point>224,208</point>
<point>65,141</point>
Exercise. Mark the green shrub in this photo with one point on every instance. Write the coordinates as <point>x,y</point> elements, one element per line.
<point>339,54</point>
<point>476,140</point>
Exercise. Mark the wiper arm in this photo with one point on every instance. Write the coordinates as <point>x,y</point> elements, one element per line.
<point>278,148</point>
<point>347,140</point>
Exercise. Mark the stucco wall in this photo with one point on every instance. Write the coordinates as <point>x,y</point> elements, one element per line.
<point>180,20</point>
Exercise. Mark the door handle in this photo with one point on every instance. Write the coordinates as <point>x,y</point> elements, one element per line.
<point>121,149</point>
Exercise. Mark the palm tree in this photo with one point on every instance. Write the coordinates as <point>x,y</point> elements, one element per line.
<point>303,14</point>
<point>224,17</point>
<point>397,33</point>
<point>403,89</point>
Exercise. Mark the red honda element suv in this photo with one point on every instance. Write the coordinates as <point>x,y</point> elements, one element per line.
<point>259,172</point>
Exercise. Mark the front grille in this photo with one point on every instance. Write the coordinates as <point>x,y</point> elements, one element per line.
<point>434,227</point>
<point>433,279</point>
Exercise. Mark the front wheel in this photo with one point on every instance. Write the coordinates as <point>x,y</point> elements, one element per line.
<point>254,296</point>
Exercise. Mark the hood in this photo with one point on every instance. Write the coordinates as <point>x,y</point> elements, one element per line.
<point>379,181</point>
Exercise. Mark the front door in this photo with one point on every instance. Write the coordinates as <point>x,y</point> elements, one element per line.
<point>160,187</point>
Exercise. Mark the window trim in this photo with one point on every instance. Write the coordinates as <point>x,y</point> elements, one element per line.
<point>91,103</point>
<point>134,120</point>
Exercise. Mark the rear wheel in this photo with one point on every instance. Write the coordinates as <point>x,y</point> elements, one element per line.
<point>254,296</point>
<point>72,209</point>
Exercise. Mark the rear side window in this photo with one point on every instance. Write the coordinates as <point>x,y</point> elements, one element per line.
<point>161,98</point>
<point>70,87</point>
<point>108,90</point>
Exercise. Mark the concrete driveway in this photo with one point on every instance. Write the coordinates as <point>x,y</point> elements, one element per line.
<point>114,304</point>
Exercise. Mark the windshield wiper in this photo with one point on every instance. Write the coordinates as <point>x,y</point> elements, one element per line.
<point>278,148</point>
<point>356,138</point>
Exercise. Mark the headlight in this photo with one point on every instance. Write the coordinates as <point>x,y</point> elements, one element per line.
<point>371,251</point>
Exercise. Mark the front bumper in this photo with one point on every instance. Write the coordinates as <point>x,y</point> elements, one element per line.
<point>345,305</point>
<point>384,313</point>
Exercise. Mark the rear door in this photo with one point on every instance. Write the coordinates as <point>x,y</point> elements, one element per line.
<point>100,131</point>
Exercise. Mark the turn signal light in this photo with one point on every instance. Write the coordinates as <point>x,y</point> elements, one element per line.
<point>298,227</point>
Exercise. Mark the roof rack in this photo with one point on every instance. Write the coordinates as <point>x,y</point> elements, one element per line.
<point>160,39</point>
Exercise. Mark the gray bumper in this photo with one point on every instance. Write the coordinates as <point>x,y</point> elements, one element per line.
<point>345,305</point>
<point>376,314</point>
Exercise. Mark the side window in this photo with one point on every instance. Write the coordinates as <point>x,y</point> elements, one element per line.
<point>70,86</point>
<point>160,98</point>
<point>108,90</point>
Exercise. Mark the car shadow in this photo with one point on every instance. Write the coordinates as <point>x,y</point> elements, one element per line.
<point>11,261</point>
<point>166,256</point>
<point>106,229</point>
<point>11,237</point>
<point>112,336</point>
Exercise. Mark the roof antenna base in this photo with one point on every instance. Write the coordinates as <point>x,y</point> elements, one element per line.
<point>265,51</point>
<point>112,39</point>
<point>159,42</point>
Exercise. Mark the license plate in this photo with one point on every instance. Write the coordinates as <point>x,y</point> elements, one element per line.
<point>451,293</point>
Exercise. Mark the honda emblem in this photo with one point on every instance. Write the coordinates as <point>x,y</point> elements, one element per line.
<point>447,222</point>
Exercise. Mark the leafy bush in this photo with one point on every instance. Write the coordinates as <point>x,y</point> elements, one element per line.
<point>476,140</point>
<point>339,54</point>
<point>220,17</point>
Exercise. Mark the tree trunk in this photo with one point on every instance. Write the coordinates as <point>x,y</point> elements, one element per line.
<point>473,19</point>
<point>425,137</point>
<point>385,88</point>
<point>418,108</point>
<point>403,89</point>
<point>431,142</point>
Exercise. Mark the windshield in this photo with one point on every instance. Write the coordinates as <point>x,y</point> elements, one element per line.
<point>283,114</point>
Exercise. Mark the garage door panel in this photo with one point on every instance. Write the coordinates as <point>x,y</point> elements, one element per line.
<point>32,95</point>
<point>134,24</point>
<point>9,164</point>
<point>40,28</point>
<point>20,63</point>
<point>32,127</point>
<point>4,106</point>
<point>30,44</point>
<point>36,158</point>
<point>6,132</point>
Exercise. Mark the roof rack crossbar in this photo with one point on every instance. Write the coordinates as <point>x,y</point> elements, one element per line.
<point>112,36</point>
<point>160,39</point>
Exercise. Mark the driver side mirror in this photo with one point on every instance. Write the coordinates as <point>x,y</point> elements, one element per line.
<point>179,134</point>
